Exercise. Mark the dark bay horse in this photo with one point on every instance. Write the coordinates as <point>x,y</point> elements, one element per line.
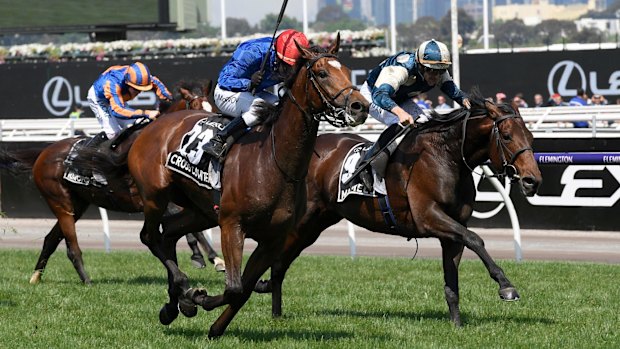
<point>263,181</point>
<point>430,190</point>
<point>69,201</point>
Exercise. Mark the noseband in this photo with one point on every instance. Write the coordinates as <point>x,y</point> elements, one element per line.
<point>337,115</point>
<point>508,168</point>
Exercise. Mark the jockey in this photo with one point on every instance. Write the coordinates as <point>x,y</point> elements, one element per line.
<point>241,84</point>
<point>390,89</point>
<point>110,93</point>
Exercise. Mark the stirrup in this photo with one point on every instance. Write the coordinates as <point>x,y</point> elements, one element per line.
<point>215,148</point>
<point>366,178</point>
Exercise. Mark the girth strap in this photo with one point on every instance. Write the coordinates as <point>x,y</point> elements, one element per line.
<point>386,212</point>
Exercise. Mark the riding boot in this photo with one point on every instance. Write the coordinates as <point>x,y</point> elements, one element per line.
<point>95,142</point>
<point>378,162</point>
<point>219,144</point>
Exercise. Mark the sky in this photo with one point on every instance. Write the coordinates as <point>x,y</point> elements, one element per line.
<point>255,10</point>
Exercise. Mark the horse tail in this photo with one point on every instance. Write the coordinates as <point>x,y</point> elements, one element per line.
<point>17,162</point>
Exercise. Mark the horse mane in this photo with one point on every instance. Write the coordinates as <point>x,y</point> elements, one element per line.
<point>439,122</point>
<point>269,113</point>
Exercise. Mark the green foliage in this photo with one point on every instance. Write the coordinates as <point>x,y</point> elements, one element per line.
<point>329,302</point>
<point>268,24</point>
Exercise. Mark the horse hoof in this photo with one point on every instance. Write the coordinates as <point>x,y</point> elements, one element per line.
<point>215,332</point>
<point>35,278</point>
<point>198,264</point>
<point>509,294</point>
<point>167,314</point>
<point>188,308</point>
<point>220,265</point>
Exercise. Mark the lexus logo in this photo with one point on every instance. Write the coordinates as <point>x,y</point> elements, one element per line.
<point>567,76</point>
<point>56,88</point>
<point>59,97</point>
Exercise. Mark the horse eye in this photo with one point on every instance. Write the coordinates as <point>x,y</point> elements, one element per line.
<point>323,74</point>
<point>507,137</point>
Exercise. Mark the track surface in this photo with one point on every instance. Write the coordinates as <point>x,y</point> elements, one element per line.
<point>594,246</point>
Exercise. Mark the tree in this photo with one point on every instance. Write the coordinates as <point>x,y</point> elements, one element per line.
<point>466,25</point>
<point>551,31</point>
<point>513,32</point>
<point>332,18</point>
<point>586,35</point>
<point>238,27</point>
<point>410,36</point>
<point>268,24</point>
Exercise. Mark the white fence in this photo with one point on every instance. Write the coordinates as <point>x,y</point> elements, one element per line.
<point>555,122</point>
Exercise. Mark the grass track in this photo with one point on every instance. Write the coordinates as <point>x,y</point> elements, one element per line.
<point>329,302</point>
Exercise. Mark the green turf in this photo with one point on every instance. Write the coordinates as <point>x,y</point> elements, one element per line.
<point>329,302</point>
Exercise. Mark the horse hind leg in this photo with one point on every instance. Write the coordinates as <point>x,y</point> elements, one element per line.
<point>198,260</point>
<point>50,244</point>
<point>212,255</point>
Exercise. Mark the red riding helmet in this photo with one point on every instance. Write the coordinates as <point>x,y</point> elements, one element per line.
<point>285,45</point>
<point>138,76</point>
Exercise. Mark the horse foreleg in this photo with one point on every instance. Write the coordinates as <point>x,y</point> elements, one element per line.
<point>451,257</point>
<point>475,243</point>
<point>233,240</point>
<point>50,244</point>
<point>260,260</point>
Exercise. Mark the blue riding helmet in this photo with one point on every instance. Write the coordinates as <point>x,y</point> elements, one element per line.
<point>434,54</point>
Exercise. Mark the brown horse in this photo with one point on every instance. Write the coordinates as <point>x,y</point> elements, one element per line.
<point>263,181</point>
<point>430,190</point>
<point>68,201</point>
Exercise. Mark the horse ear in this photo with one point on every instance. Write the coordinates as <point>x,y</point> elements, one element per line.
<point>305,53</point>
<point>335,47</point>
<point>185,93</point>
<point>492,108</point>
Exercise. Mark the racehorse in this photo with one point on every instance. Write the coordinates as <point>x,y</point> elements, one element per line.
<point>430,190</point>
<point>263,190</point>
<point>68,201</point>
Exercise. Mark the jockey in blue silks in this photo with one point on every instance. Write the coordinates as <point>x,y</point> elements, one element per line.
<point>241,84</point>
<point>390,89</point>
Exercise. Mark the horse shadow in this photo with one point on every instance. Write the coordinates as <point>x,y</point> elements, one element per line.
<point>467,318</point>
<point>272,335</point>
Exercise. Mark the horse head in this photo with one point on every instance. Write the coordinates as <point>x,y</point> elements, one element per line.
<point>331,97</point>
<point>196,101</point>
<point>510,147</point>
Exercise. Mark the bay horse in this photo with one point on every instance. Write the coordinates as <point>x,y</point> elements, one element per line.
<point>430,190</point>
<point>263,181</point>
<point>69,201</point>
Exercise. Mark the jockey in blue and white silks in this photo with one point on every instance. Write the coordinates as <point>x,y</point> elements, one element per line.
<point>391,87</point>
<point>241,84</point>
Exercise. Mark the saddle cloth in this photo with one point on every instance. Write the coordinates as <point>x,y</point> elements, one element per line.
<point>190,160</point>
<point>75,175</point>
<point>355,186</point>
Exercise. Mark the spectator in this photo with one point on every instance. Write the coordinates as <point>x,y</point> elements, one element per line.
<point>520,101</point>
<point>76,113</point>
<point>420,100</point>
<point>500,97</point>
<point>599,100</point>
<point>556,101</point>
<point>580,99</point>
<point>538,101</point>
<point>441,103</point>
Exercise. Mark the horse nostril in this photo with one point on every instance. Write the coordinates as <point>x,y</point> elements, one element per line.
<point>530,182</point>
<point>356,106</point>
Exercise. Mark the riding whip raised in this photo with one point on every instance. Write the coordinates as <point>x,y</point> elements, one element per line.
<point>266,58</point>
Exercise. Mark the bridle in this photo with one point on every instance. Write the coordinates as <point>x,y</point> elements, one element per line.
<point>508,168</point>
<point>337,115</point>
<point>188,103</point>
